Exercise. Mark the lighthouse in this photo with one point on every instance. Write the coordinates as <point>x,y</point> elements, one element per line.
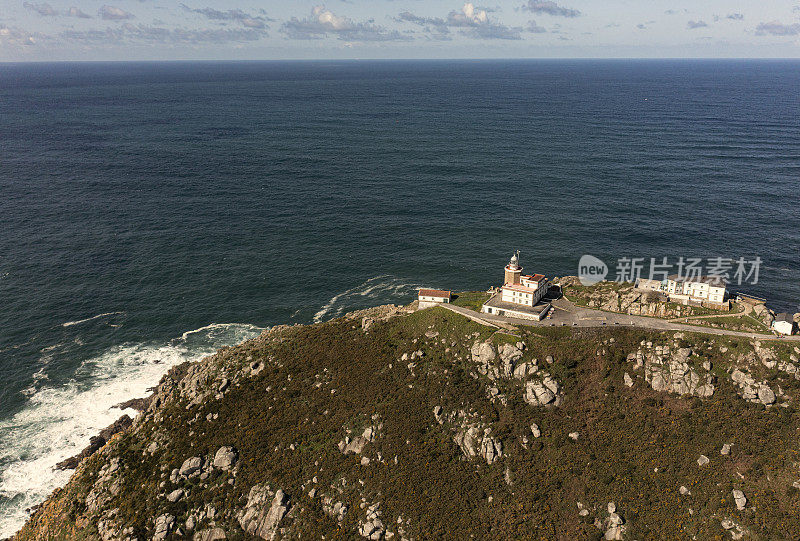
<point>519,295</point>
<point>513,270</point>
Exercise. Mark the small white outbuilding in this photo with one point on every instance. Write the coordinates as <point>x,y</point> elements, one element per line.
<point>784,324</point>
<point>432,297</point>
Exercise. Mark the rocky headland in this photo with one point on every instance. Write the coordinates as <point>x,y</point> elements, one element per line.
<point>394,424</point>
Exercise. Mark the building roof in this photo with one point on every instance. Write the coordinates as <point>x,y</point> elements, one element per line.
<point>519,288</point>
<point>535,277</point>
<point>434,293</point>
<point>783,316</point>
<point>711,280</point>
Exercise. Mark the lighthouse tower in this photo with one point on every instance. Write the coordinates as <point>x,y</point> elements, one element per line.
<point>513,270</point>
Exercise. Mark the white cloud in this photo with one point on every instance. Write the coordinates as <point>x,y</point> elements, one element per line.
<point>129,33</point>
<point>245,19</point>
<point>535,28</point>
<point>550,8</point>
<point>468,16</point>
<point>323,22</point>
<point>692,25</point>
<point>473,22</point>
<point>111,13</point>
<point>16,37</point>
<point>75,12</point>
<point>776,28</point>
<point>44,9</point>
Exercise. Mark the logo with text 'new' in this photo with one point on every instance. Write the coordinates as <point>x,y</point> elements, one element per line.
<point>591,270</point>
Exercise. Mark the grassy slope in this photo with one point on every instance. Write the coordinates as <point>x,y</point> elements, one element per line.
<point>471,299</point>
<point>636,446</point>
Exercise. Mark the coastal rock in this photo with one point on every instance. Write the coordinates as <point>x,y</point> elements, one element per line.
<point>668,371</point>
<point>263,512</point>
<point>475,439</point>
<point>214,534</point>
<point>491,449</point>
<point>483,353</point>
<point>191,467</point>
<point>175,495</point>
<point>613,526</point>
<point>509,355</point>
<point>523,370</point>
<point>372,527</point>
<point>751,390</point>
<point>703,460</point>
<point>356,445</point>
<point>163,527</point>
<point>740,499</point>
<point>334,509</point>
<point>766,395</point>
<point>96,443</point>
<point>763,313</point>
<point>225,458</point>
<point>468,440</point>
<point>546,392</point>
<point>735,530</point>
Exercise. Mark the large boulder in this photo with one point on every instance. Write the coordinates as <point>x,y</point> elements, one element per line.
<point>491,449</point>
<point>752,390</point>
<point>263,512</point>
<point>740,499</point>
<point>163,527</point>
<point>668,371</point>
<point>468,440</point>
<point>483,352</point>
<point>372,527</point>
<point>214,534</point>
<point>225,458</point>
<point>766,395</point>
<point>191,466</point>
<point>510,355</point>
<point>546,392</point>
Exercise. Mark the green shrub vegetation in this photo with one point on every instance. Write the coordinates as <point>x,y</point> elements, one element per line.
<point>471,299</point>
<point>636,446</point>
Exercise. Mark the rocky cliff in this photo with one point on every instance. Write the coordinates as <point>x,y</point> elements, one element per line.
<point>386,424</point>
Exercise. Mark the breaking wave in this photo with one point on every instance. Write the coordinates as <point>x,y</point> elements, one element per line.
<point>57,422</point>
<point>380,289</point>
<point>88,319</point>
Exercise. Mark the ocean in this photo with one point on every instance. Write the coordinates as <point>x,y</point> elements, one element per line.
<point>153,212</point>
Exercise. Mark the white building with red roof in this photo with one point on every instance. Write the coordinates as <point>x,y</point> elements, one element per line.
<point>519,295</point>
<point>432,297</point>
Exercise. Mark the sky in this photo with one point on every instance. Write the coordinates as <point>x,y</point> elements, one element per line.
<point>87,30</point>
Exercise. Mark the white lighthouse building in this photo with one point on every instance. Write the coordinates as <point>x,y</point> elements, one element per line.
<point>519,294</point>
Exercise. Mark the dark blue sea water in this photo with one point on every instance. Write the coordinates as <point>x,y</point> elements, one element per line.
<point>152,212</point>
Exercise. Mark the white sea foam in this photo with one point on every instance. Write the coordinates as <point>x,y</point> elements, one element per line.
<point>57,422</point>
<point>384,288</point>
<point>88,319</point>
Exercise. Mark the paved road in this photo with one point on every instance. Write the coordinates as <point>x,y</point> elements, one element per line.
<point>567,314</point>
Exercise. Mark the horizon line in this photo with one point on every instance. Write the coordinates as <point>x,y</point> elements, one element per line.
<point>483,59</point>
